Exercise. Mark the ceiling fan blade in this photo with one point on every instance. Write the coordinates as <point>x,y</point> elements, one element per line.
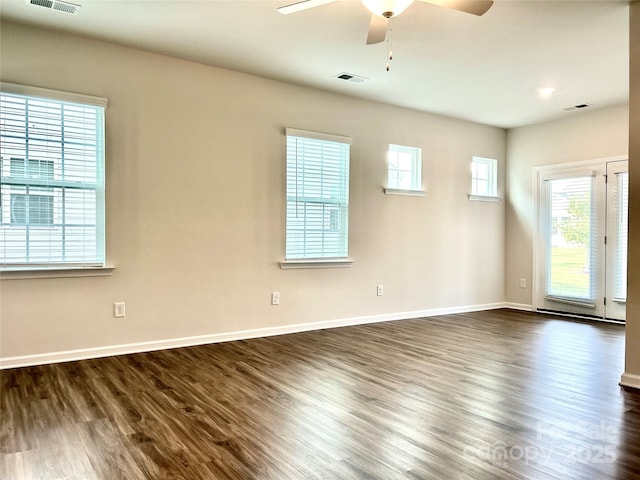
<point>302,5</point>
<point>476,7</point>
<point>377,30</point>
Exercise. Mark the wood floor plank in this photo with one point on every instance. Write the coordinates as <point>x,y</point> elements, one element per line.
<point>500,395</point>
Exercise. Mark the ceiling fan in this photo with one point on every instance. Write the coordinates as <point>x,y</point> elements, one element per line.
<point>383,10</point>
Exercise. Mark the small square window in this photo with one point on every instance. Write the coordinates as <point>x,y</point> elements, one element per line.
<point>404,169</point>
<point>484,177</point>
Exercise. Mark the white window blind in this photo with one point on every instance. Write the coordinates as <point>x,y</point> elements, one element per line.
<point>52,178</point>
<point>404,168</point>
<point>572,262</point>
<point>621,216</point>
<point>317,195</point>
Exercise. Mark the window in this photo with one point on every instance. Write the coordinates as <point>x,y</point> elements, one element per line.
<point>52,177</point>
<point>317,196</point>
<point>404,170</point>
<point>573,251</point>
<point>484,178</point>
<point>621,213</point>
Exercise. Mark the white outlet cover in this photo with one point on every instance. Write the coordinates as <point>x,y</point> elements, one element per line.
<point>119,309</point>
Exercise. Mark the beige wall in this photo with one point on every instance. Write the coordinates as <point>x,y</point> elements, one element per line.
<point>632,366</point>
<point>580,136</point>
<point>195,205</point>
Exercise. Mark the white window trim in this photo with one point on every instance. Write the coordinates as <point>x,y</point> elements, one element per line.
<point>485,198</point>
<point>408,193</point>
<point>67,271</point>
<point>53,94</point>
<point>55,272</point>
<point>293,132</point>
<point>316,263</point>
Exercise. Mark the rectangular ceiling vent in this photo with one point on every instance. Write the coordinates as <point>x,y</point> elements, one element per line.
<point>58,5</point>
<point>577,107</point>
<point>350,77</point>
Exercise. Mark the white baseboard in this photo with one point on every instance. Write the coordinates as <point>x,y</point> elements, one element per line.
<point>630,380</point>
<point>519,306</point>
<point>111,350</point>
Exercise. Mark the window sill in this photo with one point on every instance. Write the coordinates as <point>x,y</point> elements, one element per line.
<point>485,198</point>
<point>59,272</point>
<point>409,193</point>
<point>316,263</point>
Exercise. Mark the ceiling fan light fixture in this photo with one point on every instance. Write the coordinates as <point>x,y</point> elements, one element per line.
<point>387,8</point>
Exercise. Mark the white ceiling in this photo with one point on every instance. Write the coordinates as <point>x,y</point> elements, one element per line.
<point>485,69</point>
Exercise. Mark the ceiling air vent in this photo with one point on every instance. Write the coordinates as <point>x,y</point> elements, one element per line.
<point>58,5</point>
<point>577,107</point>
<point>350,77</point>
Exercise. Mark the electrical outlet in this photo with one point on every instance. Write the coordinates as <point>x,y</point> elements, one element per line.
<point>523,283</point>
<point>118,309</point>
<point>275,298</point>
<point>380,290</point>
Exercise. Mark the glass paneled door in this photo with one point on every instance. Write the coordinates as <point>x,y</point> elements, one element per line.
<point>581,240</point>
<point>616,240</point>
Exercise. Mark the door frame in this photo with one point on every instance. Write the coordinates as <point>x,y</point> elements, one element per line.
<point>538,172</point>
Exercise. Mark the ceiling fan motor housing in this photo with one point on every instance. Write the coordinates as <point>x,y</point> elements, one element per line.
<point>387,8</point>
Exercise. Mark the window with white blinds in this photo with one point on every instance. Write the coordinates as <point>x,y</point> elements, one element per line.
<point>621,216</point>
<point>52,178</point>
<point>317,222</point>
<point>572,261</point>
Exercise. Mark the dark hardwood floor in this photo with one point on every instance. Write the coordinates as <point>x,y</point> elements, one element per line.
<point>488,395</point>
